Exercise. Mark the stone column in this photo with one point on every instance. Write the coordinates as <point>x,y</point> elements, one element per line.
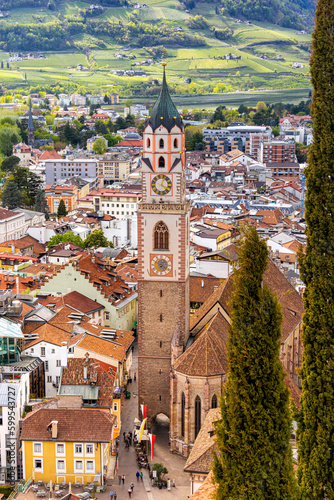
<point>207,397</point>
<point>186,447</point>
<point>173,411</point>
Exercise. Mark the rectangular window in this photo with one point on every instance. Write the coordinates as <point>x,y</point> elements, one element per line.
<point>90,465</point>
<point>60,448</point>
<point>107,315</point>
<point>58,362</point>
<point>37,447</point>
<point>53,351</point>
<point>78,449</point>
<point>42,351</point>
<point>46,366</point>
<point>49,379</point>
<point>61,465</point>
<point>57,380</point>
<point>89,449</point>
<point>38,464</point>
<point>78,465</point>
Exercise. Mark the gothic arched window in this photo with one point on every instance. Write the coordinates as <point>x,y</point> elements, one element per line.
<point>214,401</point>
<point>183,405</point>
<point>161,162</point>
<point>197,415</point>
<point>175,143</point>
<point>148,142</point>
<point>161,236</point>
<point>161,143</point>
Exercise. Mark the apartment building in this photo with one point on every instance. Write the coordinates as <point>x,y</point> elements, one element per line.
<point>63,169</point>
<point>113,167</point>
<point>119,203</point>
<point>277,151</point>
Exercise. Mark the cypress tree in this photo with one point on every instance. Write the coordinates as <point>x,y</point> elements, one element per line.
<point>61,212</point>
<point>255,461</point>
<point>315,437</point>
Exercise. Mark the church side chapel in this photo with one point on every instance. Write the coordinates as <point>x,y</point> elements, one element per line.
<point>183,360</point>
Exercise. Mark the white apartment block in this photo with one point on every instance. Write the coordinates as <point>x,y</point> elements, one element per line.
<point>64,169</point>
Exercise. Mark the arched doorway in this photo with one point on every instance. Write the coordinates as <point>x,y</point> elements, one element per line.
<point>160,428</point>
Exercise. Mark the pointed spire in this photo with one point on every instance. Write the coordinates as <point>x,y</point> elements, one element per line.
<point>164,111</point>
<point>30,120</point>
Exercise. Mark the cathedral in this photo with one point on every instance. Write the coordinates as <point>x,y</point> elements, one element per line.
<point>183,361</point>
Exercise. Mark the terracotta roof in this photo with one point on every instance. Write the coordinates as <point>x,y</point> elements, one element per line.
<point>102,377</point>
<point>6,214</point>
<point>202,287</point>
<point>200,458</point>
<point>51,334</point>
<point>270,217</point>
<point>291,302</point>
<point>95,425</point>
<point>97,345</point>
<point>207,355</point>
<point>49,155</point>
<point>73,299</point>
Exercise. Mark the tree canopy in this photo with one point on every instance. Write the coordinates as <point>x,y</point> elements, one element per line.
<point>97,239</point>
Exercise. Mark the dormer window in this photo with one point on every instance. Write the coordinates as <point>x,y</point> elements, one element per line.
<point>161,144</point>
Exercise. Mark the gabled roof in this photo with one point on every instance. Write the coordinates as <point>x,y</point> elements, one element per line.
<point>97,345</point>
<point>200,458</point>
<point>207,356</point>
<point>73,425</point>
<point>290,300</point>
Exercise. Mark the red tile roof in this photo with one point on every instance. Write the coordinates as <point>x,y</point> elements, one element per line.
<point>73,425</point>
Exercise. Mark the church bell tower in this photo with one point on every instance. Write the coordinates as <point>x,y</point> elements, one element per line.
<point>163,252</point>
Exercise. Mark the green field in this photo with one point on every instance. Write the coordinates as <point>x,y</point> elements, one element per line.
<point>267,55</point>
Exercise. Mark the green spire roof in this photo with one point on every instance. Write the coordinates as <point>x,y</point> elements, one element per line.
<point>164,111</point>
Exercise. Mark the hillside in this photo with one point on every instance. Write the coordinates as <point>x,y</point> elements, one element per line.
<point>207,51</point>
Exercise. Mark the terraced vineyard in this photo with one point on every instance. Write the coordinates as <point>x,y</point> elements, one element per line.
<point>266,52</point>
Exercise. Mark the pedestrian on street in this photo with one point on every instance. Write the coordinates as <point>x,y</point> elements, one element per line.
<point>130,433</point>
<point>130,492</point>
<point>119,479</point>
<point>132,485</point>
<point>134,377</point>
<point>124,435</point>
<point>137,475</point>
<point>141,476</point>
<point>111,495</point>
<point>123,479</point>
<point>115,496</point>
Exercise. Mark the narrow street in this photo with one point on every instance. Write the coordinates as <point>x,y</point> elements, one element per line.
<point>127,462</point>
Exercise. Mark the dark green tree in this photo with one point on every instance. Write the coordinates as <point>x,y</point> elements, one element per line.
<point>41,204</point>
<point>61,212</point>
<point>11,195</point>
<point>316,427</point>
<point>97,239</point>
<point>253,436</point>
<point>9,163</point>
<point>28,183</point>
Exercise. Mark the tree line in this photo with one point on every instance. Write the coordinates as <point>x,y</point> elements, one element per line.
<point>46,36</point>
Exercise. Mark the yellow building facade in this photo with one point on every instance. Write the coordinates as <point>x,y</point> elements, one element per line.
<point>51,454</point>
<point>224,240</point>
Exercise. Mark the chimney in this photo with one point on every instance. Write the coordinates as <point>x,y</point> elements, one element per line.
<point>93,259</point>
<point>54,429</point>
<point>85,373</point>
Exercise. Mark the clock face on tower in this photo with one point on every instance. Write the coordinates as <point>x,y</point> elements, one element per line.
<point>161,265</point>
<point>161,184</point>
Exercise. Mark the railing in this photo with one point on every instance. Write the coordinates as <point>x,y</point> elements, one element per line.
<point>17,489</point>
